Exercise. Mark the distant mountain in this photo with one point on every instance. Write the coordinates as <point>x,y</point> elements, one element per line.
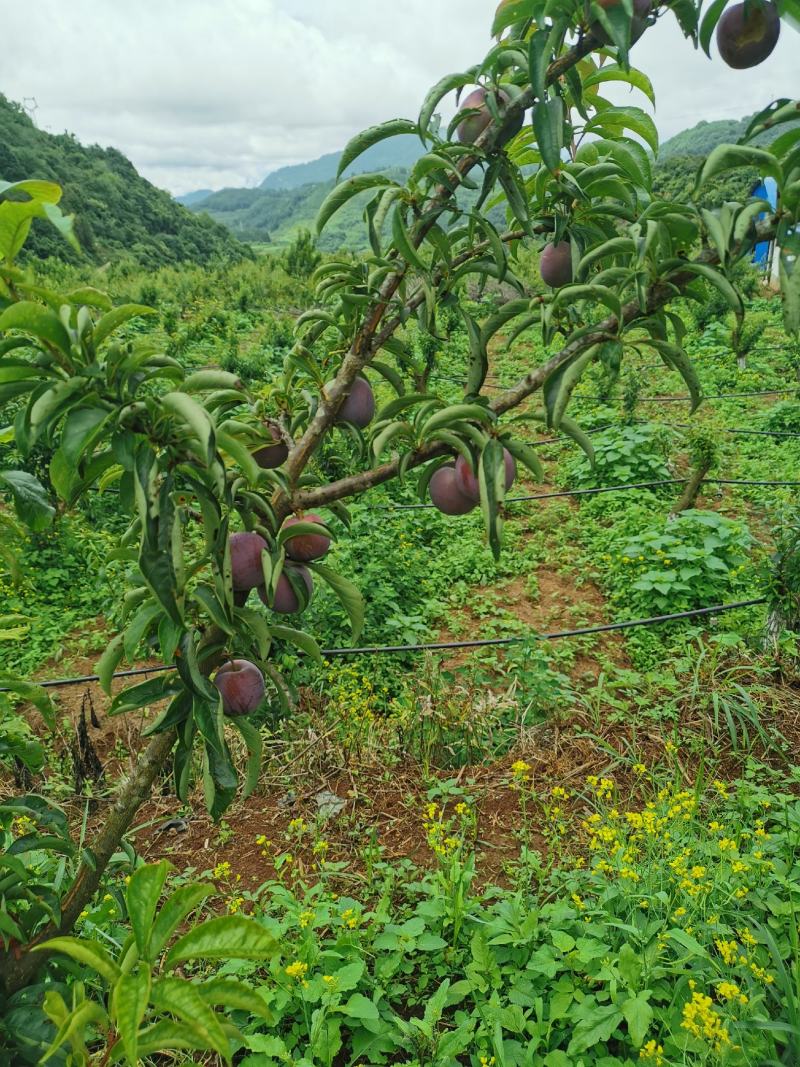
<point>702,138</point>
<point>400,151</point>
<point>118,213</point>
<point>192,198</point>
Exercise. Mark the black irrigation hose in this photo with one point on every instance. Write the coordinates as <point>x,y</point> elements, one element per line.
<point>736,430</point>
<point>439,646</point>
<point>679,399</point>
<point>592,492</point>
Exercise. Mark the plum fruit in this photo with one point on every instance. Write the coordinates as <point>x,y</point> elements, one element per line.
<point>286,601</point>
<point>274,455</point>
<point>555,264</point>
<point>445,494</point>
<point>747,34</point>
<point>241,685</point>
<point>304,547</point>
<point>246,569</point>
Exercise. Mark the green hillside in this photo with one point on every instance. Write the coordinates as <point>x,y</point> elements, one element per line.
<point>273,212</point>
<point>118,213</point>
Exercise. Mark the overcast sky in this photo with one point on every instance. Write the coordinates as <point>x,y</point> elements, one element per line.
<point>209,93</point>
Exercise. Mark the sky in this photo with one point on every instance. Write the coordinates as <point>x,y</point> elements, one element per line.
<point>213,93</point>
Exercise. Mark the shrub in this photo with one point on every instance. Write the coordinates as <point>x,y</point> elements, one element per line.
<point>689,562</point>
<point>623,454</point>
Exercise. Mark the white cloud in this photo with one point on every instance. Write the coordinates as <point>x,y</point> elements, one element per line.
<point>206,93</point>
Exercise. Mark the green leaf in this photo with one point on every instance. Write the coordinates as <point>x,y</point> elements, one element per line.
<point>37,321</point>
<point>142,896</point>
<point>372,136</point>
<point>548,126</point>
<point>709,22</point>
<point>181,998</point>
<point>345,191</point>
<point>35,188</point>
<point>149,692</point>
<point>230,937</point>
<point>255,747</point>
<point>359,1007</point>
<point>638,1015</point>
<point>445,85</point>
<point>86,952</point>
<point>33,693</point>
<point>212,378</point>
<point>196,418</point>
<point>526,455</point>
<point>175,909</point>
<point>613,72</point>
<point>30,499</point>
<point>129,1000</point>
<point>729,156</point>
<point>348,594</point>
<point>299,638</point>
<point>559,386</point>
<point>112,320</point>
<point>402,242</point>
<point>676,359</point>
<point>492,482</point>
<point>234,995</point>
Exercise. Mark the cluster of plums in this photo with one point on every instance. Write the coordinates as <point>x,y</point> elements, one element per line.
<point>240,682</point>
<point>454,488</point>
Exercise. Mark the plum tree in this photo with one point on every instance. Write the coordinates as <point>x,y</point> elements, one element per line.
<point>445,493</point>
<point>241,686</point>
<point>472,126</point>
<point>555,264</point>
<point>271,456</point>
<point>287,600</point>
<point>466,480</point>
<point>181,443</point>
<point>304,547</point>
<point>748,32</point>
<point>359,405</point>
<point>246,569</point>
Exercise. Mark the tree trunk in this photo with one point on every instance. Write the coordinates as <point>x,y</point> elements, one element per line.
<point>690,493</point>
<point>18,965</point>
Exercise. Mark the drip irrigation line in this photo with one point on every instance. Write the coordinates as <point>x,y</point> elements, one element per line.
<point>736,430</point>
<point>442,646</point>
<point>680,399</point>
<point>602,489</point>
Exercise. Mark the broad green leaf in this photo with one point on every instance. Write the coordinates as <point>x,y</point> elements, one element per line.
<point>36,189</point>
<point>30,499</point>
<point>112,320</point>
<point>33,693</point>
<point>729,156</point>
<point>179,997</point>
<point>233,995</point>
<point>196,418</point>
<point>345,191</point>
<point>638,1015</point>
<point>402,241</point>
<point>178,905</point>
<point>709,22</point>
<point>613,72</point>
<point>212,378</point>
<point>302,640</point>
<point>492,482</point>
<point>228,937</point>
<point>109,662</point>
<point>129,999</point>
<point>83,951</point>
<point>37,321</point>
<point>359,1007</point>
<point>149,692</point>
<point>255,746</point>
<point>348,594</point>
<point>548,126</point>
<point>372,136</point>
<point>142,896</point>
<point>445,85</point>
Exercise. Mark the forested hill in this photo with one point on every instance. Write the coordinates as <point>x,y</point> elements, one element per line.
<point>288,199</point>
<point>118,213</point>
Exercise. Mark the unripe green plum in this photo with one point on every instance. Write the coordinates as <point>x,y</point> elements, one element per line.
<point>472,126</point>
<point>555,264</point>
<point>241,685</point>
<point>445,494</point>
<point>467,480</point>
<point>286,600</point>
<point>271,456</point>
<point>359,405</point>
<point>747,34</point>
<point>305,547</point>
<point>246,569</point>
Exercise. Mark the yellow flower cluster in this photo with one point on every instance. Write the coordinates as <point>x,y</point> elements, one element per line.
<point>437,832</point>
<point>22,825</point>
<point>350,918</point>
<point>305,918</point>
<point>297,970</point>
<point>602,787</point>
<point>653,1053</point>
<point>702,1021</point>
<point>222,871</point>
<point>731,991</point>
<point>520,773</point>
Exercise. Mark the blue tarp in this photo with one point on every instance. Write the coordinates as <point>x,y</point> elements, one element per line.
<point>767,189</point>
